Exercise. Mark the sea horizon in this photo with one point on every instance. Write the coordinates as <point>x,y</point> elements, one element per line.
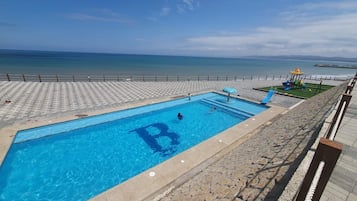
<point>69,62</point>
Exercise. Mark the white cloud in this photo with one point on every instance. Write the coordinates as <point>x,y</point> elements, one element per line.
<point>104,15</point>
<point>165,11</point>
<point>186,5</point>
<point>305,30</point>
<point>189,4</point>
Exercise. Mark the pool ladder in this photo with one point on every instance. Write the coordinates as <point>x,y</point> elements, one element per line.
<point>228,108</point>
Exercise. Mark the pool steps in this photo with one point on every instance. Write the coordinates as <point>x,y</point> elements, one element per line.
<point>229,108</point>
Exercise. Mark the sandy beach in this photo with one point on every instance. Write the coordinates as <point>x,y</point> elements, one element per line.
<point>254,170</point>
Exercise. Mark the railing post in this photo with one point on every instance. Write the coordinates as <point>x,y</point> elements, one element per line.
<point>349,89</point>
<point>340,113</point>
<point>208,77</point>
<point>226,77</point>
<point>198,78</point>
<point>155,78</point>
<point>57,78</point>
<point>167,78</point>
<point>104,78</point>
<point>328,152</point>
<point>8,77</point>
<point>23,77</point>
<point>251,77</point>
<point>39,77</point>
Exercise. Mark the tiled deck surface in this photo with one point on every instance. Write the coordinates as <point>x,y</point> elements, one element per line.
<point>33,101</point>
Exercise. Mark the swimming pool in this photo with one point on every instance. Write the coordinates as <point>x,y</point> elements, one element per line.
<point>79,159</point>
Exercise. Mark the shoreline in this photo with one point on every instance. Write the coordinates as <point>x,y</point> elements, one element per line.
<point>158,78</point>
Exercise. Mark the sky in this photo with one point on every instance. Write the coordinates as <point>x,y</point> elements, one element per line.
<point>219,28</point>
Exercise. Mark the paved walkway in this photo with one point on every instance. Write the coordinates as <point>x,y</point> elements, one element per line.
<point>342,185</point>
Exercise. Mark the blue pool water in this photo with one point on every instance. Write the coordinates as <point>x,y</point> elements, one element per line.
<point>79,159</point>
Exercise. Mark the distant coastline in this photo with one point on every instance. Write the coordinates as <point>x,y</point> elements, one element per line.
<point>335,66</point>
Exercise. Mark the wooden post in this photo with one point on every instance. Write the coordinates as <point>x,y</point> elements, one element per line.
<point>345,101</point>
<point>8,77</point>
<point>73,78</point>
<point>104,78</point>
<point>57,78</point>
<point>23,77</point>
<point>39,77</point>
<point>208,77</point>
<point>327,151</point>
<point>349,89</point>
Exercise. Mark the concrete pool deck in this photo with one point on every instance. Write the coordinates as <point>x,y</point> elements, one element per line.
<point>56,102</point>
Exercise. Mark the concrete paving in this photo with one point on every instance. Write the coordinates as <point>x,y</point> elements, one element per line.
<point>31,101</point>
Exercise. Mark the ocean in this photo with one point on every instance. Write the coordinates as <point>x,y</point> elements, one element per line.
<point>75,63</point>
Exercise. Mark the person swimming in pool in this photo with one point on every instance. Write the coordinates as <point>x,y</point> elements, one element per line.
<point>213,109</point>
<point>179,116</point>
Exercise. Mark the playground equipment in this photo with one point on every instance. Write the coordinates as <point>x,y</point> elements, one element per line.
<point>268,96</point>
<point>295,80</point>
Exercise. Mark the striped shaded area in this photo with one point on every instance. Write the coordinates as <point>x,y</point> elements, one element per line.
<point>30,100</point>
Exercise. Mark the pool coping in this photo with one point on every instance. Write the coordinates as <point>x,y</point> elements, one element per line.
<point>170,170</point>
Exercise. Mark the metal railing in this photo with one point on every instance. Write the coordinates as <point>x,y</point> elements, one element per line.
<point>327,153</point>
<point>149,78</point>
